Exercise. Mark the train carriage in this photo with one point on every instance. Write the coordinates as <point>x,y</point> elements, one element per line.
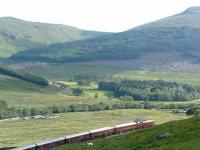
<point>45,145</point>
<point>102,132</point>
<point>122,128</point>
<point>27,147</point>
<point>145,124</point>
<point>148,123</point>
<point>86,136</point>
<point>140,125</point>
<point>79,137</point>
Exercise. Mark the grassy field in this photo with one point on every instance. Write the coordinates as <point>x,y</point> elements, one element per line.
<point>16,133</point>
<point>67,71</point>
<point>178,135</point>
<point>188,77</point>
<point>34,99</point>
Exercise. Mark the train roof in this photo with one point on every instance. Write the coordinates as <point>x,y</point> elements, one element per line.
<point>50,141</point>
<point>125,124</point>
<point>25,147</point>
<point>76,134</point>
<point>101,129</point>
<point>147,121</point>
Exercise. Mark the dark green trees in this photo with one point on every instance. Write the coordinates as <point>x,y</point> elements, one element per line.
<point>152,90</point>
<point>77,91</point>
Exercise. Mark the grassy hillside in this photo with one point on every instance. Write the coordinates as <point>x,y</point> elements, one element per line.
<point>22,132</point>
<point>175,38</point>
<point>11,84</point>
<point>23,76</point>
<point>12,80</point>
<point>19,93</point>
<point>176,135</point>
<point>17,35</point>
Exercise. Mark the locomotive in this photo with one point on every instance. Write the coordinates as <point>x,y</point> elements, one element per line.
<point>87,136</point>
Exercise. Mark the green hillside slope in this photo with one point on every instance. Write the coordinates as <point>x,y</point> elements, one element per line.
<point>176,135</point>
<point>176,37</point>
<point>11,84</point>
<point>17,35</point>
<point>25,76</point>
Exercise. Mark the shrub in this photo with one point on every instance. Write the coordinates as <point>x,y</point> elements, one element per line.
<point>193,111</point>
<point>126,98</point>
<point>77,91</point>
<point>96,96</point>
<point>3,105</point>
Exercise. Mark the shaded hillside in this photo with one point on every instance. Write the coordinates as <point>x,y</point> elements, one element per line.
<point>17,35</point>
<point>176,135</point>
<point>177,36</point>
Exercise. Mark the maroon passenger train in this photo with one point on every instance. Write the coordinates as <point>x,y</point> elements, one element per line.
<point>90,135</point>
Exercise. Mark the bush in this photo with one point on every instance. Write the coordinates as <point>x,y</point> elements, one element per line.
<point>34,112</point>
<point>78,91</point>
<point>96,96</point>
<point>83,83</point>
<point>107,86</point>
<point>3,105</point>
<point>193,111</point>
<point>25,112</point>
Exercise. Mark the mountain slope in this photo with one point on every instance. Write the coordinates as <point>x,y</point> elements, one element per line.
<point>188,18</point>
<point>11,84</point>
<point>25,76</point>
<point>177,36</point>
<point>176,135</point>
<point>17,35</point>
